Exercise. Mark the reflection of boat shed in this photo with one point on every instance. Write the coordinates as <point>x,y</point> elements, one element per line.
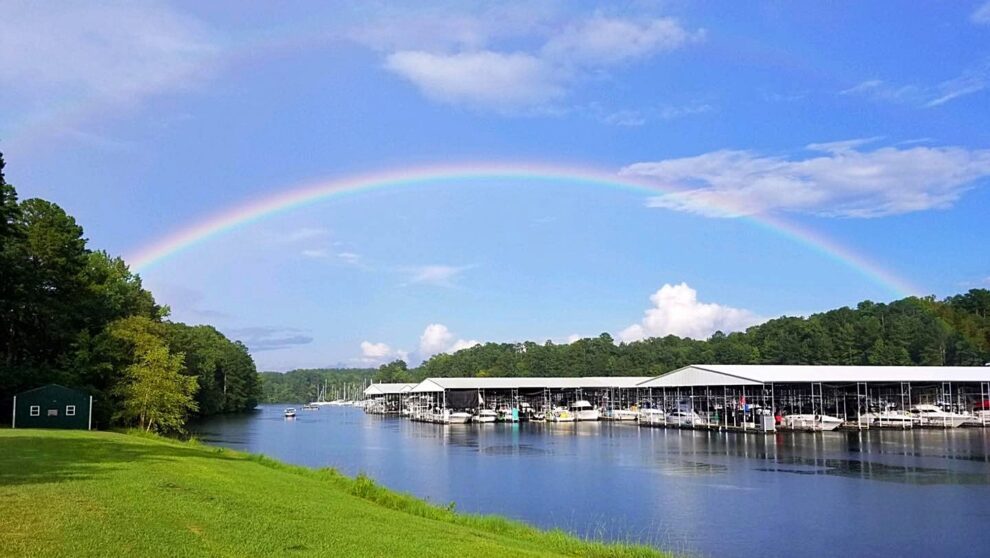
<point>847,392</point>
<point>53,406</point>
<point>386,398</point>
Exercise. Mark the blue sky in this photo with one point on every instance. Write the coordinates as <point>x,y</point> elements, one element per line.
<point>864,123</point>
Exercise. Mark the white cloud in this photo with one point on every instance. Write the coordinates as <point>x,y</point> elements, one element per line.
<point>436,338</point>
<point>605,41</point>
<point>845,181</point>
<point>492,79</point>
<point>438,275</point>
<point>304,233</point>
<point>377,353</point>
<point>981,15</point>
<point>676,311</point>
<point>115,51</point>
<point>469,70</point>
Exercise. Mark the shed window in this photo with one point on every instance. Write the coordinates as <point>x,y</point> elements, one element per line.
<point>70,410</point>
<point>53,412</point>
<point>35,410</point>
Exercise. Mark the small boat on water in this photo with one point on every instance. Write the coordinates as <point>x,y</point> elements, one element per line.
<point>933,415</point>
<point>310,407</point>
<point>583,410</point>
<point>560,414</point>
<point>652,417</point>
<point>684,417</point>
<point>459,417</point>
<point>537,416</point>
<point>485,416</point>
<point>814,423</point>
<point>289,413</point>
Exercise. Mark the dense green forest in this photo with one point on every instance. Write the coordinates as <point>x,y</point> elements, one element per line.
<point>303,385</point>
<point>79,317</point>
<point>918,331</point>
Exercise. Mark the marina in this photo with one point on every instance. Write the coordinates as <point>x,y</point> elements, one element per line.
<point>749,398</point>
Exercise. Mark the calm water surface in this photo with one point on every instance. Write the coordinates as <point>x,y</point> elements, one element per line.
<point>891,493</point>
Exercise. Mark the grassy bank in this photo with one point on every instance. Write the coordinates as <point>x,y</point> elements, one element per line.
<point>102,494</point>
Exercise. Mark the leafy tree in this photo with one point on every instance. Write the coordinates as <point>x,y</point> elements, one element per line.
<point>155,395</point>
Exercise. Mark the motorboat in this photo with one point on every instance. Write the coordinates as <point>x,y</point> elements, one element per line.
<point>560,414</point>
<point>310,407</point>
<point>289,413</point>
<point>933,415</point>
<point>583,410</point>
<point>537,416</point>
<point>652,417</point>
<point>459,417</point>
<point>892,419</point>
<point>682,417</point>
<point>485,416</point>
<point>814,423</point>
<point>622,414</point>
<point>505,414</point>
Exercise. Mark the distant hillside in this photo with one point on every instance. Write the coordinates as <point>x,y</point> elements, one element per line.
<point>302,385</point>
<point>919,331</point>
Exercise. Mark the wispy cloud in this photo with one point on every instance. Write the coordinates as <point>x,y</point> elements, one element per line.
<point>119,51</point>
<point>269,338</point>
<point>840,180</point>
<point>973,80</point>
<point>981,16</point>
<point>437,275</point>
<point>639,117</point>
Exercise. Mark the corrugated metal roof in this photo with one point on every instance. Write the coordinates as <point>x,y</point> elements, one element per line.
<point>431,385</point>
<point>387,389</point>
<point>755,374</point>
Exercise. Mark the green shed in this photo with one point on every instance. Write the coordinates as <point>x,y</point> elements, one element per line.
<point>53,406</point>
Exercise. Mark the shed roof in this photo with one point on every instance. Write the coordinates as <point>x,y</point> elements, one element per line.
<point>53,386</point>
<point>387,389</point>
<point>590,382</point>
<point>757,374</point>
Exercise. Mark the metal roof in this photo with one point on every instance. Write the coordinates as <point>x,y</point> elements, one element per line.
<point>431,385</point>
<point>757,374</point>
<point>388,389</point>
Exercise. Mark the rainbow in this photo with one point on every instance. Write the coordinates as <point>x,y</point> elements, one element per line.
<point>306,194</point>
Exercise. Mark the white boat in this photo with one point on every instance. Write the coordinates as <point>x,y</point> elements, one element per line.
<point>485,416</point>
<point>891,419</point>
<point>505,414</point>
<point>583,410</point>
<point>310,407</point>
<point>537,416</point>
<point>289,413</point>
<point>814,423</point>
<point>560,414</point>
<point>652,417</point>
<point>460,417</point>
<point>683,417</point>
<point>622,414</point>
<point>932,415</point>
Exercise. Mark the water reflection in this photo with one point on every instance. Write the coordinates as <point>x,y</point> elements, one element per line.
<point>699,492</point>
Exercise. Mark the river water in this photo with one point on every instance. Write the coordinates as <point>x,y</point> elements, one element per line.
<point>874,493</point>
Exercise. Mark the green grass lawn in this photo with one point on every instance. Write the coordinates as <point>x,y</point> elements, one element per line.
<point>66,493</point>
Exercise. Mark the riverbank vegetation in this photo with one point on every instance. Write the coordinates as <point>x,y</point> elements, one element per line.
<point>109,494</point>
<point>79,317</point>
<point>954,331</point>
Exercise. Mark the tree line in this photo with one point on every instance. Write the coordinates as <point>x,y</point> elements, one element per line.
<point>954,331</point>
<point>80,318</point>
